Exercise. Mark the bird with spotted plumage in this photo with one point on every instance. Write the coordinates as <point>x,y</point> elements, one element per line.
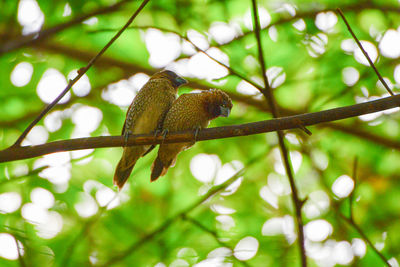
<point>191,111</point>
<point>145,115</point>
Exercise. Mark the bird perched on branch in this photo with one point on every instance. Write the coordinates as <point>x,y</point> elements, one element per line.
<point>189,112</point>
<point>145,115</point>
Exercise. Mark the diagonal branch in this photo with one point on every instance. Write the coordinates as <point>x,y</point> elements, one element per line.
<point>267,92</point>
<point>365,52</point>
<point>46,33</point>
<point>81,72</point>
<point>351,222</point>
<point>283,123</point>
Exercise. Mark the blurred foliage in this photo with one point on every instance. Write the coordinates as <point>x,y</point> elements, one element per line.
<point>313,61</point>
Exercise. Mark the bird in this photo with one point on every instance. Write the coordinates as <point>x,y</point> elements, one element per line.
<point>145,115</point>
<point>192,111</point>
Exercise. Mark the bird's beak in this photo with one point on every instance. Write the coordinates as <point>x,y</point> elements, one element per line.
<point>225,111</point>
<point>180,81</point>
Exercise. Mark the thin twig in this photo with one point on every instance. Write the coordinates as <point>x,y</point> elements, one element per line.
<point>267,92</point>
<point>120,256</point>
<point>366,239</point>
<point>283,123</point>
<point>350,219</point>
<point>81,72</point>
<point>364,52</point>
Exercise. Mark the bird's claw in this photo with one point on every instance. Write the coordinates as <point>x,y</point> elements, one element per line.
<point>157,132</point>
<point>164,135</point>
<point>196,133</point>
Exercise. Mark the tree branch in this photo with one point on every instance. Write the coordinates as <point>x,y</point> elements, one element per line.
<point>365,237</point>
<point>364,52</point>
<point>283,123</point>
<point>81,72</point>
<point>128,68</point>
<point>269,96</point>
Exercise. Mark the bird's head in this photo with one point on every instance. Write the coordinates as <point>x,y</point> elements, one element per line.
<point>218,104</point>
<point>171,76</point>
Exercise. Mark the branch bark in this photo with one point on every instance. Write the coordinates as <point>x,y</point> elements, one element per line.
<point>283,123</point>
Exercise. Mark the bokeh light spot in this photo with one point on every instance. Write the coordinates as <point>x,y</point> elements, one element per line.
<point>51,85</point>
<point>246,248</point>
<point>30,16</point>
<point>343,186</point>
<point>22,74</point>
<point>10,202</point>
<point>318,230</point>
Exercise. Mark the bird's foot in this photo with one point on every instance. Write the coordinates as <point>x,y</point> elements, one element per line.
<point>157,132</point>
<point>164,135</point>
<point>196,133</point>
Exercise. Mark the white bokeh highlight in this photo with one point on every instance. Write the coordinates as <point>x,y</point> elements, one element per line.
<point>359,247</point>
<point>86,119</point>
<point>123,92</point>
<point>226,222</point>
<point>216,257</point>
<point>318,230</point>
<point>299,25</point>
<point>86,205</point>
<point>30,16</point>
<point>390,44</point>
<point>204,167</point>
<point>263,16</point>
<point>8,247</point>
<point>58,171</point>
<point>326,21</point>
<point>197,39</point>
<point>246,248</point>
<point>38,135</point>
<point>10,202</point>
<point>47,223</point>
<point>276,76</point>
<point>317,204</point>
<point>371,50</point>
<point>350,76</point>
<point>342,253</point>
<point>163,47</point>
<point>21,74</point>
<point>280,226</point>
<point>42,197</point>
<point>203,67</point>
<point>396,74</point>
<point>343,186</point>
<point>295,157</point>
<point>51,85</point>
<point>222,32</point>
<point>246,88</point>
<point>53,121</point>
<point>82,87</point>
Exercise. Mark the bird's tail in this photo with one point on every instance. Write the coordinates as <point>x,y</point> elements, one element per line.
<point>125,166</point>
<point>157,169</point>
